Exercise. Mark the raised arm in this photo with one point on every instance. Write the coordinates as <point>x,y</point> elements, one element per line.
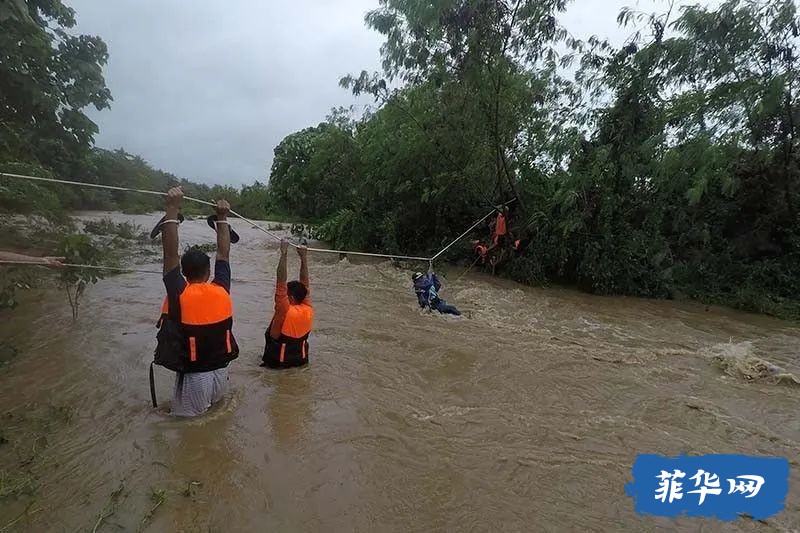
<point>302,251</point>
<point>169,231</point>
<point>223,231</point>
<point>282,276</point>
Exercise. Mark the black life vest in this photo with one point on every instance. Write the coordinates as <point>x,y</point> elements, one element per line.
<point>291,349</point>
<point>195,330</point>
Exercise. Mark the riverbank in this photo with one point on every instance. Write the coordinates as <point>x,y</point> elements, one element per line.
<point>745,298</point>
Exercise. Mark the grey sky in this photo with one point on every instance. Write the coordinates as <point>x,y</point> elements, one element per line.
<point>206,89</point>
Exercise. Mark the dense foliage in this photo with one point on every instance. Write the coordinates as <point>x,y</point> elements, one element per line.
<point>667,167</point>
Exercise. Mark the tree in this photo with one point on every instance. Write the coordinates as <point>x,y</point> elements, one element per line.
<point>253,200</point>
<point>495,52</point>
<point>313,171</point>
<point>668,167</point>
<point>47,78</point>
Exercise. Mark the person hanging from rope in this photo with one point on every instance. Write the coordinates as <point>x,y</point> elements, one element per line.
<point>288,331</point>
<point>427,287</point>
<point>501,234</point>
<point>50,262</point>
<point>504,244</point>
<point>195,337</point>
<point>517,239</point>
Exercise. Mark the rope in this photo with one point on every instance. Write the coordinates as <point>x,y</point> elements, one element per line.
<point>478,223</point>
<point>99,186</point>
<point>128,189</point>
<point>90,267</point>
<point>387,256</point>
<point>204,202</point>
<point>468,270</point>
<point>108,268</point>
<point>430,260</point>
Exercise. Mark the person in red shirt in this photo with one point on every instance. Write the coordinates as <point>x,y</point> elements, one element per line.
<point>288,332</point>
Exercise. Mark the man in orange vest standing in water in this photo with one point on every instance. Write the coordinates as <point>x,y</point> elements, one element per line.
<point>195,337</point>
<point>287,334</point>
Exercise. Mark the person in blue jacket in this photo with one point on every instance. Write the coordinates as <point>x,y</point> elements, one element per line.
<point>427,287</point>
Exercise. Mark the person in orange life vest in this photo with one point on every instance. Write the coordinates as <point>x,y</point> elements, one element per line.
<point>481,251</point>
<point>195,336</point>
<point>500,226</point>
<point>287,334</point>
<point>50,262</point>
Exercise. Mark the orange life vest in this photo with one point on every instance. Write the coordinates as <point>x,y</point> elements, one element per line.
<point>291,348</point>
<point>197,336</point>
<point>501,227</point>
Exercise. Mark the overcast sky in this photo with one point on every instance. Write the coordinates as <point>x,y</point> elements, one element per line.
<point>206,89</point>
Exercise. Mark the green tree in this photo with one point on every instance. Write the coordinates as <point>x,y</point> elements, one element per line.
<point>492,55</point>
<point>688,180</point>
<point>314,170</point>
<point>254,200</point>
<point>667,167</point>
<point>47,78</point>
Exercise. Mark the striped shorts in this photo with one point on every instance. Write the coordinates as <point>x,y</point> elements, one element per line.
<point>196,392</point>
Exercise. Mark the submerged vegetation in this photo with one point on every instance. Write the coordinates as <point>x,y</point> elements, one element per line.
<point>101,242</point>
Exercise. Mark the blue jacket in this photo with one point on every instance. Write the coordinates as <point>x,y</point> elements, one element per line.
<point>427,289</point>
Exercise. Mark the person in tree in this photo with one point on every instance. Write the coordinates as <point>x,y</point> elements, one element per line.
<point>504,244</point>
<point>288,331</point>
<point>50,262</point>
<point>427,287</point>
<point>500,233</point>
<point>195,338</point>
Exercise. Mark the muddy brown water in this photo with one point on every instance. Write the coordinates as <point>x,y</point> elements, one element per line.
<point>526,416</point>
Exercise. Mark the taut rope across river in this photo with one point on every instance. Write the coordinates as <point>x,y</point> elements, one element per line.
<point>428,260</point>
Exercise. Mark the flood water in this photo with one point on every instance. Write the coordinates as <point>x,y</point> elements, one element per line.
<point>524,416</point>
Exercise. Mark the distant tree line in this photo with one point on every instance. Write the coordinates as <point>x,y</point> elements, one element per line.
<point>48,77</point>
